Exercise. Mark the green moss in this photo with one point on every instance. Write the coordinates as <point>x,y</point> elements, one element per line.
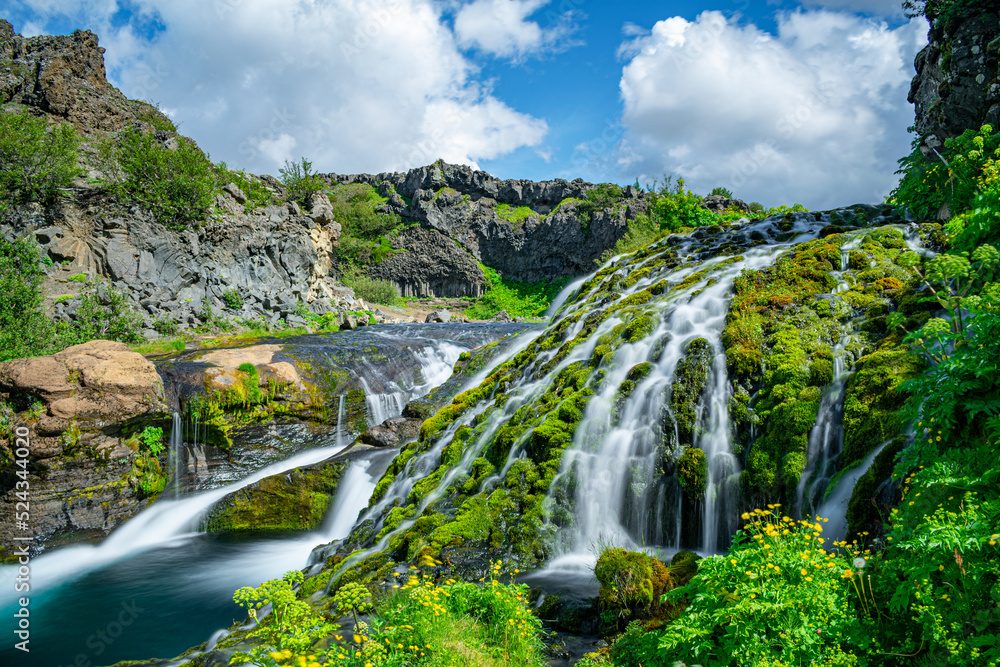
<point>632,582</point>
<point>297,500</point>
<point>690,382</point>
<point>874,399</point>
<point>692,472</point>
<point>640,327</point>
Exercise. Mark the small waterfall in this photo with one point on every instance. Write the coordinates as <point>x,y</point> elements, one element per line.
<point>340,422</point>
<point>176,442</point>
<point>826,438</point>
<point>834,507</point>
<point>158,525</point>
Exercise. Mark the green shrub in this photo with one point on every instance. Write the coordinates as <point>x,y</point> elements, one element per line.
<point>373,290</point>
<point>112,318</point>
<point>518,298</point>
<point>365,227</point>
<point>641,232</point>
<point>232,299</point>
<point>165,325</point>
<point>300,181</point>
<point>177,186</point>
<point>721,192</point>
<point>37,162</point>
<point>24,329</point>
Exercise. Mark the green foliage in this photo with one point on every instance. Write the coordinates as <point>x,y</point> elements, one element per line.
<point>372,290</point>
<point>366,229</point>
<point>24,329</point>
<point>291,625</point>
<point>949,13</point>
<point>300,180</point>
<point>721,192</point>
<point>178,186</point>
<point>37,162</point>
<point>165,325</point>
<point>515,216</point>
<point>673,207</point>
<point>232,299</point>
<point>151,440</point>
<point>961,169</point>
<point>108,314</point>
<point>601,197</point>
<point>422,622</point>
<point>518,298</point>
<point>776,599</point>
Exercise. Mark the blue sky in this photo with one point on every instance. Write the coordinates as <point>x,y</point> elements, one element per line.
<point>780,101</point>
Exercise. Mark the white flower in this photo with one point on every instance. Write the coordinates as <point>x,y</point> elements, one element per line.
<point>859,562</point>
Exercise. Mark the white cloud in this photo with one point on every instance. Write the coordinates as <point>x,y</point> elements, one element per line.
<point>874,7</point>
<point>502,28</point>
<point>816,113</point>
<point>353,85</point>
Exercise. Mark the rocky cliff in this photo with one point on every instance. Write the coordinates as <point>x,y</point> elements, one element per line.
<point>957,85</point>
<point>275,257</point>
<point>526,230</point>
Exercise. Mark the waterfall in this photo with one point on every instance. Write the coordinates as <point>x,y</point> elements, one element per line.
<point>176,442</point>
<point>834,507</point>
<point>340,421</point>
<point>826,438</point>
<point>159,525</point>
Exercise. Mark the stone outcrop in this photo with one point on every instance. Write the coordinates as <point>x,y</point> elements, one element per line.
<point>957,86</point>
<point>555,241</point>
<point>64,77</point>
<point>77,405</point>
<point>430,264</point>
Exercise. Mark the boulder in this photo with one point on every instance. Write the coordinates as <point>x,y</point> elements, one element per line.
<point>392,432</point>
<point>502,316</point>
<point>94,397</point>
<point>438,316</point>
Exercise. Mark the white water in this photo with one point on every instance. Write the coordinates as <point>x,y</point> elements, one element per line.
<point>162,524</point>
<point>340,421</point>
<point>834,507</point>
<point>176,442</point>
<point>436,363</point>
<point>826,438</point>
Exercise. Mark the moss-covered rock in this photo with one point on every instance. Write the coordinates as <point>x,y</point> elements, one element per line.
<point>692,472</point>
<point>874,398</point>
<point>294,500</point>
<point>631,582</point>
<point>690,382</point>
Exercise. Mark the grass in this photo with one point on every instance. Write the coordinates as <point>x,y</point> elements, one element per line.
<point>515,216</point>
<point>518,298</point>
<point>156,347</point>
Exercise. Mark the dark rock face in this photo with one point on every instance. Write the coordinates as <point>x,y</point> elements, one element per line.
<point>555,241</point>
<point>957,86</point>
<point>63,76</point>
<point>432,265</point>
<point>270,258</point>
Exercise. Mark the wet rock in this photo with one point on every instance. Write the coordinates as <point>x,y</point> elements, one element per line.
<point>438,317</point>
<point>392,432</point>
<point>502,316</point>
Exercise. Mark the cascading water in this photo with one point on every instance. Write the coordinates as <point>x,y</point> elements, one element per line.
<point>176,442</point>
<point>826,439</point>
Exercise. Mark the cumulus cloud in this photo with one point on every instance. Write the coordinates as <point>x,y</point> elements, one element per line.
<point>502,28</point>
<point>874,7</point>
<point>353,85</point>
<point>816,113</point>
